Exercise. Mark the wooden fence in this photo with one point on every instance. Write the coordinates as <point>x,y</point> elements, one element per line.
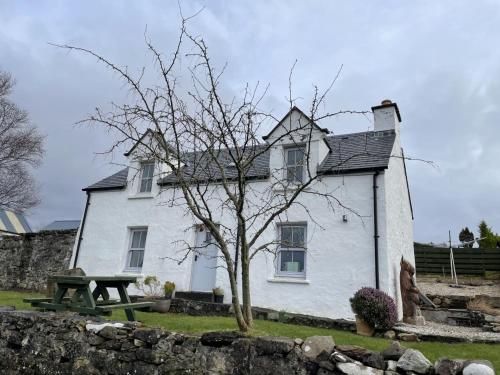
<point>467,261</point>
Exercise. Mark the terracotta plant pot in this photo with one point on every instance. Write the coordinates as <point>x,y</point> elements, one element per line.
<point>362,328</point>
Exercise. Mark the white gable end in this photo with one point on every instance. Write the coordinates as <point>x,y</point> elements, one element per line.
<point>296,130</point>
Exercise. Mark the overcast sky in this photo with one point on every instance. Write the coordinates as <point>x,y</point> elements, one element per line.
<point>439,60</point>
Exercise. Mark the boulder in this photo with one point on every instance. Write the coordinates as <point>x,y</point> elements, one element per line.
<point>408,337</point>
<point>315,346</point>
<point>394,351</point>
<point>375,360</point>
<point>445,366</point>
<point>327,365</point>
<point>357,369</point>
<point>148,335</point>
<point>367,357</point>
<point>391,366</point>
<point>390,334</point>
<point>298,341</point>
<point>355,352</point>
<point>271,345</point>
<point>414,361</point>
<point>339,357</point>
<point>108,332</point>
<point>488,318</point>
<point>219,339</point>
<point>478,368</point>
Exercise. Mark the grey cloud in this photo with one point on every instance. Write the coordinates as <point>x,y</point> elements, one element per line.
<point>438,60</point>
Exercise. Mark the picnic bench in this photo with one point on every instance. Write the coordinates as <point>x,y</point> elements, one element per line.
<point>85,301</point>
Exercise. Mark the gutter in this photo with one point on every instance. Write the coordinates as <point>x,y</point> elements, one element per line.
<point>375,228</point>
<point>80,238</point>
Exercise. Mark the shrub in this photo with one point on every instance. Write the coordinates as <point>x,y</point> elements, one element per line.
<point>375,307</point>
<point>150,286</point>
<point>218,291</point>
<point>168,287</point>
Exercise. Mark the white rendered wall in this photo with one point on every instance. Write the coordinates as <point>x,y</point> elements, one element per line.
<point>399,224</point>
<point>340,256</point>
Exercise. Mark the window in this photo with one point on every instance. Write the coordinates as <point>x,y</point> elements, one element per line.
<point>292,251</point>
<point>147,171</point>
<point>295,164</point>
<point>136,249</point>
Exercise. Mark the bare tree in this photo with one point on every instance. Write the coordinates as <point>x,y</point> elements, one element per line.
<point>214,155</point>
<point>21,148</point>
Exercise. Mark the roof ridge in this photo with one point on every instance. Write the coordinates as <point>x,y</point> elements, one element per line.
<point>358,133</point>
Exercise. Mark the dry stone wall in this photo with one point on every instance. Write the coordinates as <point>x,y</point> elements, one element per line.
<point>48,343</point>
<point>27,260</point>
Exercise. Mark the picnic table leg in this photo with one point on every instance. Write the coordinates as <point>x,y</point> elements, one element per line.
<point>122,291</point>
<point>87,297</point>
<point>76,296</point>
<point>59,295</point>
<point>100,291</point>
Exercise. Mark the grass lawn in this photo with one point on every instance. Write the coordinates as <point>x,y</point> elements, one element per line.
<point>191,324</point>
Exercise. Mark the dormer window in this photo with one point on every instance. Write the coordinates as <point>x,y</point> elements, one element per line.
<point>295,164</point>
<point>147,171</point>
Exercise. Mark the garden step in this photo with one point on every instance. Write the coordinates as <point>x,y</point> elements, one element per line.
<point>195,296</point>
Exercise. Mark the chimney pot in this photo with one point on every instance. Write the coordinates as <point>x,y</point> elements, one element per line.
<point>386,102</point>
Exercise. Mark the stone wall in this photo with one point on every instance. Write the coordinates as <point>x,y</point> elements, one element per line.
<point>27,260</point>
<point>47,343</point>
<point>199,308</point>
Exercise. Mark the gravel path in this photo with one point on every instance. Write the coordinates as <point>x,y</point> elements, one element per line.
<point>446,290</point>
<point>444,332</point>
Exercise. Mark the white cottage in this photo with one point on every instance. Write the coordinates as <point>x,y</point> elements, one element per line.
<point>127,230</point>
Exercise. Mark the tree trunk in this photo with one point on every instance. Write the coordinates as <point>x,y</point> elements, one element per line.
<point>245,284</point>
<point>238,313</point>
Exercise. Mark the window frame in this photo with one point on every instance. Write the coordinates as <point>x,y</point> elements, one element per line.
<point>279,272</point>
<point>148,179</point>
<point>133,230</point>
<point>294,180</point>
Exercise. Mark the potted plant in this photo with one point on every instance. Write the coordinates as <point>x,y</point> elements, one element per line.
<point>169,288</point>
<point>374,309</point>
<point>218,294</point>
<point>152,290</point>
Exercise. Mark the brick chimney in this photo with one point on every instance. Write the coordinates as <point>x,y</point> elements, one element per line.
<point>386,116</point>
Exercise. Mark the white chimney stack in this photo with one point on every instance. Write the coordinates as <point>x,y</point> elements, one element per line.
<point>386,116</point>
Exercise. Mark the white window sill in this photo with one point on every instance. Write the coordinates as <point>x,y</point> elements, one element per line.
<point>289,189</point>
<point>141,196</point>
<point>137,273</point>
<point>289,280</point>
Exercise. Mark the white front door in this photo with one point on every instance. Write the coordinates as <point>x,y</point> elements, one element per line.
<point>205,262</point>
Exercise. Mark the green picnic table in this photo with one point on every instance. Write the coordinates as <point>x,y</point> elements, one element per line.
<point>85,301</point>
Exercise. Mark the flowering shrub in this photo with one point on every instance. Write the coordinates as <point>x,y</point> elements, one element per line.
<point>375,307</point>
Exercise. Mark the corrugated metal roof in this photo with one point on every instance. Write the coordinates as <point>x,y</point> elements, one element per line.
<point>62,225</point>
<point>12,222</point>
<point>349,153</point>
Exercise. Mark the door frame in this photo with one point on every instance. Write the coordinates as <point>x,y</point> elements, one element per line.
<point>193,264</point>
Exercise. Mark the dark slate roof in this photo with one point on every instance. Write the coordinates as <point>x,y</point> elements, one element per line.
<point>113,182</point>
<point>358,151</point>
<point>62,225</point>
<point>206,171</point>
<point>349,153</point>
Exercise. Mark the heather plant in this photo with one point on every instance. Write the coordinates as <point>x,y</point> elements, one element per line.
<point>375,307</point>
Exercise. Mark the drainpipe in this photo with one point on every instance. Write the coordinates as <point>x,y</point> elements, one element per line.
<point>375,227</point>
<point>81,229</point>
